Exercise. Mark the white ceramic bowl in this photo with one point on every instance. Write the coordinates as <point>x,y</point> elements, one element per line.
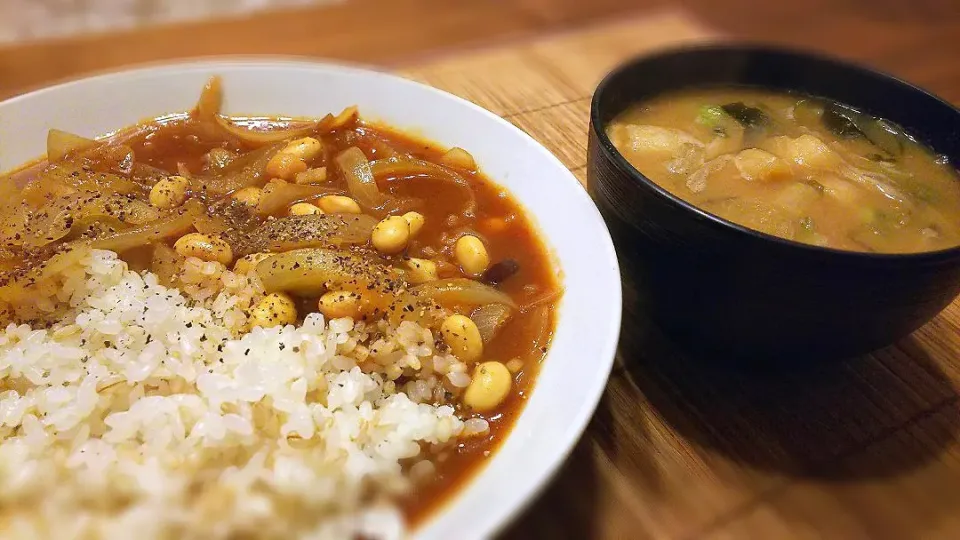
<point>575,372</point>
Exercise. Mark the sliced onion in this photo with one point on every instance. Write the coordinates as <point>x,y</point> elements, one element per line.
<point>211,99</point>
<point>175,223</point>
<point>259,137</point>
<point>309,272</point>
<point>381,149</point>
<point>360,180</point>
<point>69,176</point>
<point>490,319</point>
<point>218,158</point>
<point>277,196</point>
<point>459,158</point>
<point>538,330</point>
<point>55,220</point>
<point>61,143</point>
<point>406,167</point>
<point>246,170</point>
<point>346,116</point>
<point>463,291</point>
<point>8,261</point>
<point>546,297</point>
<point>410,166</point>
<point>115,158</point>
<point>317,230</point>
<point>210,224</point>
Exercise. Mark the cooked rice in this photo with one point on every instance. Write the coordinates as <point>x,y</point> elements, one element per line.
<point>148,412</point>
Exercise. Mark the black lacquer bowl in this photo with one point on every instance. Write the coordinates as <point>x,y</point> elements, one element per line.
<point>732,293</point>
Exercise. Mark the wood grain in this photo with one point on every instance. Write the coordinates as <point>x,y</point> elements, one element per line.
<point>561,128</point>
<point>864,449</point>
<point>359,31</point>
<point>918,501</point>
<point>469,76</point>
<point>584,58</point>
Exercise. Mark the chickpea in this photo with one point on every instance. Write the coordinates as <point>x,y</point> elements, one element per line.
<point>338,204</point>
<point>489,386</point>
<point>304,209</point>
<point>421,270</point>
<point>391,235</point>
<point>285,166</point>
<point>415,220</point>
<point>471,254</point>
<point>305,149</point>
<point>245,265</point>
<point>339,304</point>
<point>311,176</point>
<point>249,196</point>
<point>463,337</point>
<point>276,309</point>
<point>204,247</point>
<point>169,192</point>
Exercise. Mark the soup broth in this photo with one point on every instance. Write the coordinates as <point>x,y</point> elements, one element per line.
<point>797,167</point>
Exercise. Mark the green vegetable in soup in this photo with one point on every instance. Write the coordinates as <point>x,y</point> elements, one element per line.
<point>808,112</point>
<point>885,135</point>
<point>749,117</point>
<point>881,158</point>
<point>711,116</point>
<point>841,121</point>
<point>849,123</point>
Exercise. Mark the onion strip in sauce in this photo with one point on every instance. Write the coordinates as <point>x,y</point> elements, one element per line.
<point>277,196</point>
<point>61,143</point>
<point>490,319</point>
<point>310,271</point>
<point>309,231</point>
<point>257,137</point>
<point>407,167</point>
<point>179,222</point>
<point>463,291</point>
<point>208,112</point>
<point>360,179</point>
<point>246,170</point>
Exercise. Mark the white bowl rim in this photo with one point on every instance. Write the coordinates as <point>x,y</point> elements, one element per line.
<point>513,501</point>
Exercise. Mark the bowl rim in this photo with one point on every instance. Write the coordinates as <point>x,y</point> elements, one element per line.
<point>748,49</point>
<point>512,502</point>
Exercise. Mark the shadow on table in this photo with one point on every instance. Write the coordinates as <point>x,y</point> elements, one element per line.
<point>801,423</point>
<point>566,508</point>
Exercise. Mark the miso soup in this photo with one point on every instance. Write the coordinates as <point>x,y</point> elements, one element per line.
<point>794,166</point>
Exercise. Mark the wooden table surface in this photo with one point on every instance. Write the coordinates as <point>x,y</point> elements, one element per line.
<point>864,449</point>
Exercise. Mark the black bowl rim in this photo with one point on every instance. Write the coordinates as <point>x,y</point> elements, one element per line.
<point>612,154</point>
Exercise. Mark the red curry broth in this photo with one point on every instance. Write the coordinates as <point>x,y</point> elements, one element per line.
<point>179,143</point>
